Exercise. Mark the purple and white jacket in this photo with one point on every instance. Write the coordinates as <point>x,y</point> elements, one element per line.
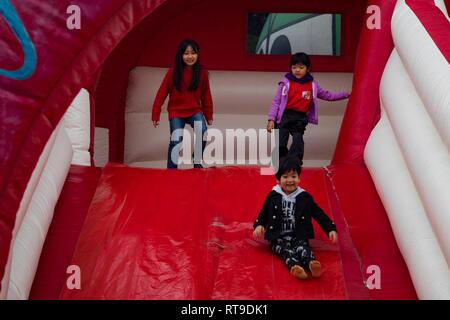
<point>280,101</point>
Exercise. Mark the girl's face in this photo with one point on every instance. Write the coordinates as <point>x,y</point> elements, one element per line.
<point>299,70</point>
<point>289,181</point>
<point>190,57</point>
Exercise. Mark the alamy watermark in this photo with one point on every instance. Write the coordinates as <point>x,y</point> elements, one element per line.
<point>373,281</point>
<point>73,22</point>
<point>74,279</point>
<point>232,147</point>
<point>374,20</point>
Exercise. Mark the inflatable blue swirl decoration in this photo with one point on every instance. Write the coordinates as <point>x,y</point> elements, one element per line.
<point>30,57</point>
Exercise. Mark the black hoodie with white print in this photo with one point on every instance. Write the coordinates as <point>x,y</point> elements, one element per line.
<point>291,214</point>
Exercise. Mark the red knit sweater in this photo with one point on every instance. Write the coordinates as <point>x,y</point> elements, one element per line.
<point>185,103</point>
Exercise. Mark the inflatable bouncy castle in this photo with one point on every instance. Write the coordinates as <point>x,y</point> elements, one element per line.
<point>88,210</point>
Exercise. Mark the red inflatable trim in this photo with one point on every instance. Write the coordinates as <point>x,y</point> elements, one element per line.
<point>64,231</point>
<point>363,109</point>
<point>371,232</point>
<point>435,22</point>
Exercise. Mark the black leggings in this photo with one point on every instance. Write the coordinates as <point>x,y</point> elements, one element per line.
<point>293,251</point>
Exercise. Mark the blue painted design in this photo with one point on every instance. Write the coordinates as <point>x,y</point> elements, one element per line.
<point>30,57</point>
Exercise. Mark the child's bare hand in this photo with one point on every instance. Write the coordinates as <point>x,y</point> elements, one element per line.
<point>270,125</point>
<point>155,123</point>
<point>259,232</point>
<point>333,236</point>
<point>209,122</point>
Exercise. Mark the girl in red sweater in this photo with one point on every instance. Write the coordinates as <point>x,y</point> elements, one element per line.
<point>190,101</point>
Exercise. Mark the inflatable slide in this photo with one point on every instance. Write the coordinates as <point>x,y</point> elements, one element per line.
<point>88,210</point>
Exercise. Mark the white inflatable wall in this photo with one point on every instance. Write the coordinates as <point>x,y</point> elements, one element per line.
<point>68,145</point>
<point>77,125</point>
<point>408,153</point>
<point>24,205</point>
<point>33,230</point>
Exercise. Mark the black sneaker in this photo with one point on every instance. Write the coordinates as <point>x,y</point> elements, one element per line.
<point>198,166</point>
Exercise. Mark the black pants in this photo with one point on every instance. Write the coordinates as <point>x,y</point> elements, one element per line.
<point>293,251</point>
<point>292,123</point>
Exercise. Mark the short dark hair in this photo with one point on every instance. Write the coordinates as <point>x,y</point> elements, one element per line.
<point>300,57</point>
<point>287,164</point>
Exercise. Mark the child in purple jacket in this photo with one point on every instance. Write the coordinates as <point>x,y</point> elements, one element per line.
<point>295,105</point>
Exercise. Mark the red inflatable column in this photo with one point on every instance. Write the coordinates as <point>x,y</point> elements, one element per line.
<point>363,109</point>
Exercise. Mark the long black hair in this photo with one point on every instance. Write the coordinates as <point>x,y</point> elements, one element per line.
<point>179,65</point>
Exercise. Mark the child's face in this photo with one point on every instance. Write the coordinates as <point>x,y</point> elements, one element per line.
<point>289,181</point>
<point>190,56</point>
<point>299,70</point>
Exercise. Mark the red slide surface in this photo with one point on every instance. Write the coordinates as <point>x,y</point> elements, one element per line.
<point>186,234</point>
